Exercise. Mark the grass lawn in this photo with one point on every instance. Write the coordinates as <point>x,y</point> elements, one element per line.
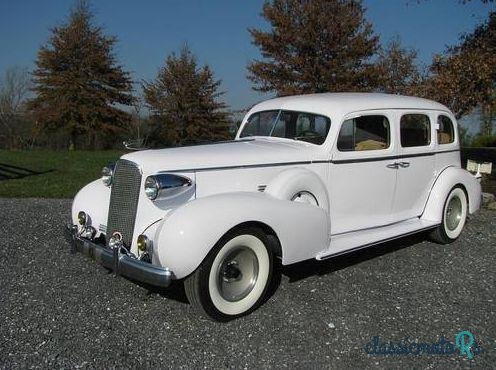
<point>50,174</point>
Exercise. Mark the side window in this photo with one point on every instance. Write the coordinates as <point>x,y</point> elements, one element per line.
<point>415,130</point>
<point>446,131</point>
<point>260,124</point>
<point>321,125</point>
<point>281,125</point>
<point>311,124</point>
<point>364,133</point>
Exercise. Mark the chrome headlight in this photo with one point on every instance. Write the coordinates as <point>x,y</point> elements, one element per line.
<point>166,185</point>
<point>108,174</point>
<point>151,187</point>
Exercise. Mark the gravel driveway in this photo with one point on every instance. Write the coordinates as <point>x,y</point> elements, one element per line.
<point>63,310</point>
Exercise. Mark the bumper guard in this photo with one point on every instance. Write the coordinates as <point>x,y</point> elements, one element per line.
<point>118,260</point>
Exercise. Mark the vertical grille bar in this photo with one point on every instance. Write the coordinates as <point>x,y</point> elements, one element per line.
<point>124,200</point>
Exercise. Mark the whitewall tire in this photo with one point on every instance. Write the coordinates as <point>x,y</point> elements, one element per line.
<point>233,279</point>
<point>454,217</point>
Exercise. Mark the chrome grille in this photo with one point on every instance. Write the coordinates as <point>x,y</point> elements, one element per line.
<point>124,200</point>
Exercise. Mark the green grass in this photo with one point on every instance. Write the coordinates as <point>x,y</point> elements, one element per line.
<point>56,174</point>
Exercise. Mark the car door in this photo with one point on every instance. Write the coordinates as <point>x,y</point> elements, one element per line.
<point>416,170</point>
<point>362,181</point>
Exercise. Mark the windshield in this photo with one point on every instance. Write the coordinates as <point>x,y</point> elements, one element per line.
<point>288,124</point>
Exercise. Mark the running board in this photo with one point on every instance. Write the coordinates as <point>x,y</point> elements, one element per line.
<point>353,241</point>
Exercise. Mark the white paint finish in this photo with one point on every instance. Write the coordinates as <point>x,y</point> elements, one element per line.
<point>417,174</point>
<point>413,185</point>
<point>149,212</point>
<point>447,159</point>
<point>361,193</point>
<point>288,183</point>
<point>337,105</point>
<point>226,177</point>
<point>344,242</point>
<point>228,154</point>
<point>249,179</point>
<point>190,231</point>
<point>93,199</point>
<point>222,181</point>
<point>448,179</point>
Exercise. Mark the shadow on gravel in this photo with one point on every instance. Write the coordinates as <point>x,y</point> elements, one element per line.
<point>9,172</point>
<point>309,268</point>
<point>175,291</point>
<point>303,270</point>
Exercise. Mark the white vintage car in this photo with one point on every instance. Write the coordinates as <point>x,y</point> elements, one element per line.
<point>311,176</point>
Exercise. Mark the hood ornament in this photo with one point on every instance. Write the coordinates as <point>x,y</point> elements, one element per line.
<point>135,144</point>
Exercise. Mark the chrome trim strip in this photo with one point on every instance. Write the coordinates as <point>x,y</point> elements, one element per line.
<point>337,254</point>
<point>391,157</point>
<point>239,166</point>
<point>376,227</point>
<point>336,161</point>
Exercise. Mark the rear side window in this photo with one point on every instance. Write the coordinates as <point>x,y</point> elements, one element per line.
<point>446,131</point>
<point>415,130</point>
<point>364,133</point>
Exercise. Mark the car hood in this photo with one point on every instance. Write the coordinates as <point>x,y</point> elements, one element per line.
<point>237,153</point>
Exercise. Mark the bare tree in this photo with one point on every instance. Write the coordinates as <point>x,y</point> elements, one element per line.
<point>14,89</point>
<point>138,127</point>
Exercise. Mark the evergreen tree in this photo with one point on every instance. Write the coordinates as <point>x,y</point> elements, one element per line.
<point>78,83</point>
<point>314,46</point>
<point>184,101</point>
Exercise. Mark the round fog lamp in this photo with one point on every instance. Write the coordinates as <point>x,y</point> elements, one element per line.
<point>82,218</point>
<point>142,243</point>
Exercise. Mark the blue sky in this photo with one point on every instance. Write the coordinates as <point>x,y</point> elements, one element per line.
<point>216,31</point>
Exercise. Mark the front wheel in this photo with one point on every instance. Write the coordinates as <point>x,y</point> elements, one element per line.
<point>234,278</point>
<point>454,217</point>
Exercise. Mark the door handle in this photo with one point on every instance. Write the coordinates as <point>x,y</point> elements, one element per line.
<point>404,164</point>
<point>393,165</point>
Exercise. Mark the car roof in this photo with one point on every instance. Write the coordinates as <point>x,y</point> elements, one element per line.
<point>332,103</point>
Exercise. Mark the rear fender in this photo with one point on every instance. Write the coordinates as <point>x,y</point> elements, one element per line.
<point>447,180</point>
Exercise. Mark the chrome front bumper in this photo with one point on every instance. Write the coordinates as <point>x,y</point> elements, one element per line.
<point>121,263</point>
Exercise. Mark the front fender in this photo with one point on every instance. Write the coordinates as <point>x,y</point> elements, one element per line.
<point>447,180</point>
<point>93,199</point>
<point>187,234</point>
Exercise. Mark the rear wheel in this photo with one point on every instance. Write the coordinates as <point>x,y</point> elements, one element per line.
<point>454,217</point>
<point>233,280</point>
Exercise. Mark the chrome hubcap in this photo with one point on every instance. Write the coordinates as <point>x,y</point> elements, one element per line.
<point>453,213</point>
<point>237,274</point>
